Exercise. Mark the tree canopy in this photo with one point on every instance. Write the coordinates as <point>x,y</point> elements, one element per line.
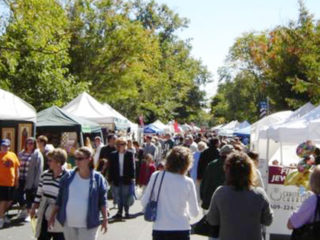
<point>126,53</point>
<point>281,64</point>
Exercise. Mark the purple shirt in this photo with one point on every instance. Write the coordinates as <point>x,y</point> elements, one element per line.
<point>305,213</point>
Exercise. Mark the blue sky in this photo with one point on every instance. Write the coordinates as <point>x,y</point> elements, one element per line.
<point>215,24</point>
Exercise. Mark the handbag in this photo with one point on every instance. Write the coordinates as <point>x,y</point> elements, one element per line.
<point>150,212</point>
<point>310,231</point>
<point>205,229</point>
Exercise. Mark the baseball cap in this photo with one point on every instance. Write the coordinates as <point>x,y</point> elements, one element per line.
<point>5,142</point>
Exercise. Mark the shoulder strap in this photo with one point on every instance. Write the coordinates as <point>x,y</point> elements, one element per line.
<point>317,212</point>
<point>154,183</point>
<point>164,172</point>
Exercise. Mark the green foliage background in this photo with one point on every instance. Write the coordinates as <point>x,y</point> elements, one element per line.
<point>125,53</point>
<point>281,64</point>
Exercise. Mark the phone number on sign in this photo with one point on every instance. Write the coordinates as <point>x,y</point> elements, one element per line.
<point>283,207</point>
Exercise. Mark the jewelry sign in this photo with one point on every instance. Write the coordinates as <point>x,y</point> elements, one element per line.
<point>285,197</point>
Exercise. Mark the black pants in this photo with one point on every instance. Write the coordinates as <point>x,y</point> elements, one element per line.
<point>171,235</point>
<point>45,235</point>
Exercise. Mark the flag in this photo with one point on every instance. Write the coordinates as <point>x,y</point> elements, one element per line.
<point>263,109</point>
<point>176,126</point>
<point>141,121</point>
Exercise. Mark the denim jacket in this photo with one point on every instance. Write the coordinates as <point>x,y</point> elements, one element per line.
<point>97,197</point>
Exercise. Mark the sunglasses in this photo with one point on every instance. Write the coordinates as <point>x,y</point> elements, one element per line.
<point>121,144</point>
<point>79,158</point>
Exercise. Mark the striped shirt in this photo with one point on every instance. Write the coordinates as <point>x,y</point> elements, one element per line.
<point>24,158</point>
<point>49,186</point>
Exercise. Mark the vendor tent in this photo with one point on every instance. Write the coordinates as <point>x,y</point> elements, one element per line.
<point>89,108</point>
<point>243,132</point>
<point>120,121</point>
<point>228,129</point>
<point>186,127</point>
<point>296,130</point>
<point>263,124</point>
<point>14,108</point>
<point>17,120</point>
<point>55,119</point>
<point>152,129</point>
<point>159,125</point>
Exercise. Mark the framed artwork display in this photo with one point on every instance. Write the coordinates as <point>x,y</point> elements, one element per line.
<point>9,133</point>
<point>25,131</point>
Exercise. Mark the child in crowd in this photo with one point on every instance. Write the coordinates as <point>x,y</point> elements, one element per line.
<point>148,167</point>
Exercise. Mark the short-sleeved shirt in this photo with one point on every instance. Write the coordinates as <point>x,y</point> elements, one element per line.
<point>9,164</point>
<point>305,214</point>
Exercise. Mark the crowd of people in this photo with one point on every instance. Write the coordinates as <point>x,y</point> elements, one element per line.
<point>185,171</point>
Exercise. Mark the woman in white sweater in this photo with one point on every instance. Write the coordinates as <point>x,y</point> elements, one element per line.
<point>177,199</point>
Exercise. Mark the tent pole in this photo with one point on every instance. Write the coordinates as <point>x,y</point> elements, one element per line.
<point>81,139</point>
<point>101,135</point>
<point>281,154</point>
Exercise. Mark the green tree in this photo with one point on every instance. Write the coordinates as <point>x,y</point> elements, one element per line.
<point>34,54</point>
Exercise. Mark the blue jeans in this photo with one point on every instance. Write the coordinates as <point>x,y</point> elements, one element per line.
<point>122,194</point>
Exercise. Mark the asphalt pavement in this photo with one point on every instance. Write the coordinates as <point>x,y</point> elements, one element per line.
<point>131,229</point>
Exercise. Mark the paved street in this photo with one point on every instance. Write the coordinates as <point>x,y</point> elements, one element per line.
<point>133,229</point>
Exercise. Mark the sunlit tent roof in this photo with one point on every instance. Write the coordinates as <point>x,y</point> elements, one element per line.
<point>228,129</point>
<point>273,131</point>
<point>14,108</point>
<point>55,119</point>
<point>268,121</point>
<point>89,108</point>
<point>120,121</point>
<point>159,124</point>
<point>301,129</point>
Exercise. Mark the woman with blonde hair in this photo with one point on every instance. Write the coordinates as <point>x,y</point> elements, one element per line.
<point>239,208</point>
<point>177,198</point>
<point>305,214</point>
<point>82,196</point>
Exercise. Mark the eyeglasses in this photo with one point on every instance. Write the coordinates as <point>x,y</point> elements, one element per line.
<point>79,158</point>
<point>121,144</point>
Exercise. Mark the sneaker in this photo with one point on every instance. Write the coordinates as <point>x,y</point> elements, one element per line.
<point>23,214</point>
<point>1,223</point>
<point>6,220</point>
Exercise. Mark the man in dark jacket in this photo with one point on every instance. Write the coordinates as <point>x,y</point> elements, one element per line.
<point>214,176</point>
<point>105,153</point>
<point>121,176</point>
<point>208,156</point>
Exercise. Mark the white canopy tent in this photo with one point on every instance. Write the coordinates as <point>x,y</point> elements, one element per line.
<point>217,127</point>
<point>14,108</point>
<point>88,107</point>
<point>159,124</point>
<point>277,130</point>
<point>263,124</point>
<point>17,120</point>
<point>294,130</point>
<point>228,129</point>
